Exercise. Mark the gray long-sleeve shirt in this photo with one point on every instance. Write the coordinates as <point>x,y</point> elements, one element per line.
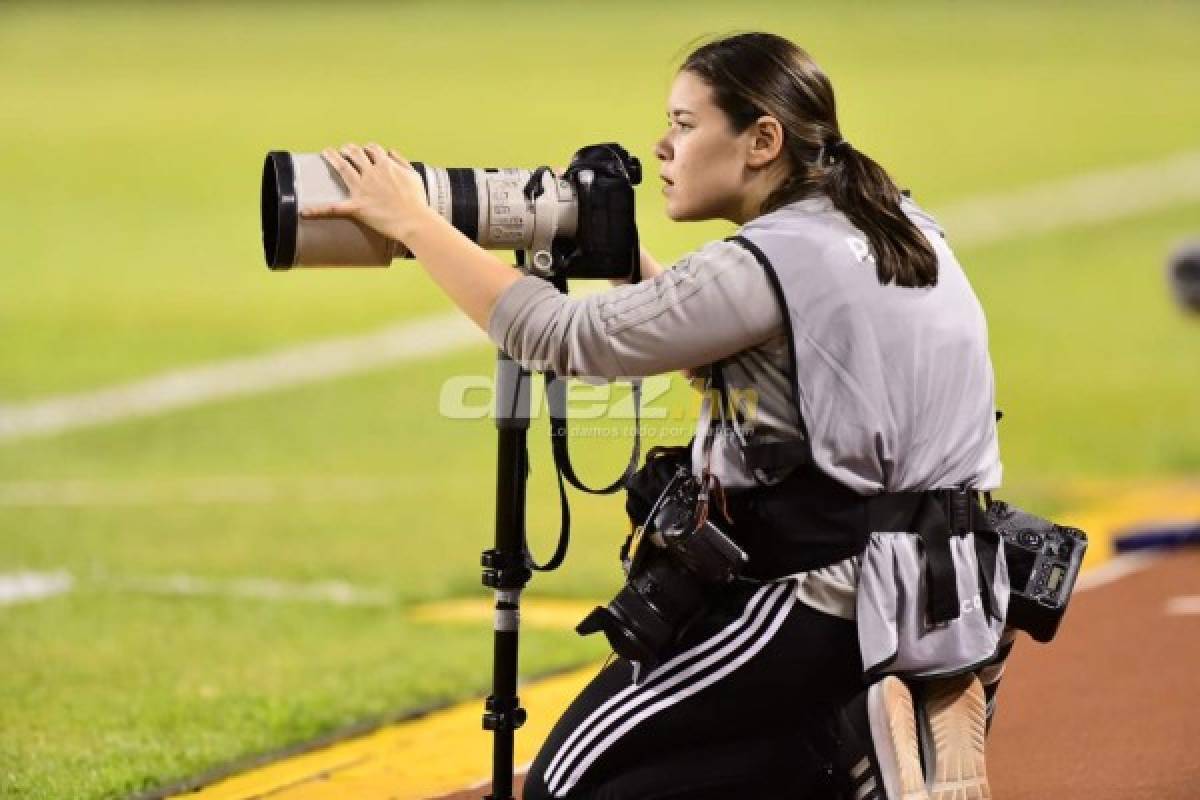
<point>928,420</point>
<point>713,303</point>
<point>717,303</point>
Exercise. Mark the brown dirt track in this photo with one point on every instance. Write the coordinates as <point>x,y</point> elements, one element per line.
<point>1110,710</point>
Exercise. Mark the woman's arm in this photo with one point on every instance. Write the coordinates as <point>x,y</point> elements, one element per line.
<point>471,276</point>
<point>715,302</point>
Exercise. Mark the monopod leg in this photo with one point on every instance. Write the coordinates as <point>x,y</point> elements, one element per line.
<point>505,568</point>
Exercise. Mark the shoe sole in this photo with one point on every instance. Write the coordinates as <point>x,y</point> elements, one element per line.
<point>957,715</point>
<point>894,731</point>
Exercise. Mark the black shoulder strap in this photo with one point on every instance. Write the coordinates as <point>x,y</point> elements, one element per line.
<point>793,452</point>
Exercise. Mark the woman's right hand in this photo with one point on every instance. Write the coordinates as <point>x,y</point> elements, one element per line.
<point>648,267</point>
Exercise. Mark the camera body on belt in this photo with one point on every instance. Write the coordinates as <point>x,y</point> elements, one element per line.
<point>1044,560</point>
<point>673,563</point>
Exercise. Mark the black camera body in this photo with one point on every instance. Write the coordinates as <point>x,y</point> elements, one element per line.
<point>605,242</point>
<point>673,562</point>
<point>699,545</point>
<point>1044,560</point>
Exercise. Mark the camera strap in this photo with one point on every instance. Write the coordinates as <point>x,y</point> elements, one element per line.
<point>556,393</point>
<point>556,402</point>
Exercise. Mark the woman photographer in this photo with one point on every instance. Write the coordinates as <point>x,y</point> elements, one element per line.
<point>841,308</point>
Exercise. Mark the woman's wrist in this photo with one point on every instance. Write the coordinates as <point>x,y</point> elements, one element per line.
<point>410,224</point>
<point>650,268</point>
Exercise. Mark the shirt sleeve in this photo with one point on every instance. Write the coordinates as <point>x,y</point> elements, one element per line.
<point>714,302</point>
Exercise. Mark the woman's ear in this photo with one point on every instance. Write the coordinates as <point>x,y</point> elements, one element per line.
<point>766,141</point>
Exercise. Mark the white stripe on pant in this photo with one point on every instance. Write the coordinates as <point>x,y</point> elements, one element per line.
<point>568,747</point>
<point>750,633</point>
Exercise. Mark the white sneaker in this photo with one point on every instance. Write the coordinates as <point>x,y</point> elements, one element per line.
<point>953,715</point>
<point>877,744</point>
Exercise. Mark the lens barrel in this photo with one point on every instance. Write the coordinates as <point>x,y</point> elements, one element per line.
<point>649,612</point>
<point>500,209</point>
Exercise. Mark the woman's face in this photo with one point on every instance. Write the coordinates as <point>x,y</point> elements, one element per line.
<point>703,160</point>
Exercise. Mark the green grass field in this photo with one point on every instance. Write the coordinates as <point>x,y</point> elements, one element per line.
<point>132,137</point>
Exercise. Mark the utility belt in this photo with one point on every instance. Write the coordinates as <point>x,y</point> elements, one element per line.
<point>934,585</point>
<point>688,542</point>
<point>809,521</point>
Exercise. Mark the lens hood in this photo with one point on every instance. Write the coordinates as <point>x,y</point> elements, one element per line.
<point>280,212</point>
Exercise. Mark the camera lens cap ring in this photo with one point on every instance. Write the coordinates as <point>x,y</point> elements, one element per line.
<point>280,212</point>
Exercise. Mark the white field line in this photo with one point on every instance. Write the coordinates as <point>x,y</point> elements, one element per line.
<point>338,593</point>
<point>229,489</point>
<point>192,386</point>
<point>24,587</point>
<point>1113,570</point>
<point>987,219</point>
<point>20,587</point>
<point>1093,197</point>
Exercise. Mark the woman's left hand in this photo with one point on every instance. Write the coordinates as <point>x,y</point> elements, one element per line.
<point>386,193</point>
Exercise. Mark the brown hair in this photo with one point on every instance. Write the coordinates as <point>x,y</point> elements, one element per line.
<point>757,74</point>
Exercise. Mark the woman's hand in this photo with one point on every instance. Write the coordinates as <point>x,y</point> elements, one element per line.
<point>386,193</point>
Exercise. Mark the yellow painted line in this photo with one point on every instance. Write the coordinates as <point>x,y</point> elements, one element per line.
<point>549,613</point>
<point>447,750</point>
<point>1138,504</point>
<point>432,755</point>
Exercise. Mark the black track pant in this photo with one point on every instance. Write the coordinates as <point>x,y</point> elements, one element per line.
<point>735,711</point>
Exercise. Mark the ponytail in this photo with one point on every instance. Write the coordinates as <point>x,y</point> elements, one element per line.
<point>865,193</point>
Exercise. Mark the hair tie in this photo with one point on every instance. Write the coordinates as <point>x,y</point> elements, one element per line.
<point>835,149</point>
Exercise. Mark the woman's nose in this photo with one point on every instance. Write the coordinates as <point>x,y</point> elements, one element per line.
<point>661,151</point>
